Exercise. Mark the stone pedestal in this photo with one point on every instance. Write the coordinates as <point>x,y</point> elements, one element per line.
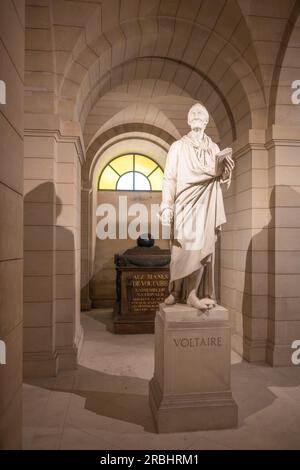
<point>190,389</point>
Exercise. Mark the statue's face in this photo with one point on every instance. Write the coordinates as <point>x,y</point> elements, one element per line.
<point>196,118</point>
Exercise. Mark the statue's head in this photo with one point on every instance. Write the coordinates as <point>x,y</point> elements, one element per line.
<point>198,116</point>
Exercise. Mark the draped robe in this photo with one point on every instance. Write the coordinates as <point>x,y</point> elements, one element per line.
<point>192,190</point>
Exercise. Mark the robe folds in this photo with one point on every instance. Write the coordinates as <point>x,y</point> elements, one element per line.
<point>192,190</point>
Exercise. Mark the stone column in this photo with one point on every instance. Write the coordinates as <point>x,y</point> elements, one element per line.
<point>244,248</point>
<point>11,221</point>
<point>68,227</point>
<point>85,248</point>
<point>52,330</point>
<point>283,144</point>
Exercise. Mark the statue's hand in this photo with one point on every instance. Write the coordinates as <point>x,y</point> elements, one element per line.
<point>228,163</point>
<point>225,162</point>
<point>167,216</point>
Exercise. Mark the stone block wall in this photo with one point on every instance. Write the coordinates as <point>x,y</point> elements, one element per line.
<point>11,220</point>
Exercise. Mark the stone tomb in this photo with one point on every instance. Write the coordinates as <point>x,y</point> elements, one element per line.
<point>142,284</point>
<point>190,389</point>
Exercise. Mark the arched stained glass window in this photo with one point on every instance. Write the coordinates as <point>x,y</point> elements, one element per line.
<point>131,172</point>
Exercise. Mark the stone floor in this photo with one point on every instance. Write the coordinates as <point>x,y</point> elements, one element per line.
<point>104,404</point>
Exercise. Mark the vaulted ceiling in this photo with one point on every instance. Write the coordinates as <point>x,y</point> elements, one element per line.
<point>105,63</point>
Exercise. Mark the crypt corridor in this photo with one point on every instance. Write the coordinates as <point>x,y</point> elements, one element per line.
<point>88,81</point>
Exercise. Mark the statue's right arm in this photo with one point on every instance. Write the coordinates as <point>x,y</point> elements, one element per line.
<point>170,180</point>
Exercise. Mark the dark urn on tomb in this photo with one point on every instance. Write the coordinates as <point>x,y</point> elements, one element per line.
<point>145,240</point>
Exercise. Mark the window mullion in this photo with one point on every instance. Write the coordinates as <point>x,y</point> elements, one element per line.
<point>114,169</point>
<point>133,173</point>
<point>157,166</point>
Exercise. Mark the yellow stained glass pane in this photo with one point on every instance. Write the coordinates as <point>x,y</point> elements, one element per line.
<point>122,164</point>
<point>108,179</point>
<point>144,164</point>
<point>156,179</point>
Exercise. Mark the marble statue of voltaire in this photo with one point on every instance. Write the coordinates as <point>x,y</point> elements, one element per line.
<point>192,206</point>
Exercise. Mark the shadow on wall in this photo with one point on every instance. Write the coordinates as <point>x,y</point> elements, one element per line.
<point>49,270</point>
<point>125,398</point>
<point>102,284</point>
<point>257,305</point>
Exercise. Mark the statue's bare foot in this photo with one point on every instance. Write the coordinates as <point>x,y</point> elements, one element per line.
<point>200,304</point>
<point>206,304</point>
<point>170,300</point>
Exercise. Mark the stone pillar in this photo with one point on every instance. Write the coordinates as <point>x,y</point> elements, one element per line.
<point>284,243</point>
<point>190,389</point>
<point>85,249</point>
<point>11,221</point>
<point>52,330</point>
<point>244,248</point>
<point>68,216</point>
<point>40,356</point>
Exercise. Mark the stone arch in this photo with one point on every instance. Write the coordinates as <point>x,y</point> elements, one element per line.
<point>222,58</point>
<point>108,23</point>
<point>108,135</point>
<point>143,131</point>
<point>149,100</point>
<point>285,72</point>
<point>222,113</point>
